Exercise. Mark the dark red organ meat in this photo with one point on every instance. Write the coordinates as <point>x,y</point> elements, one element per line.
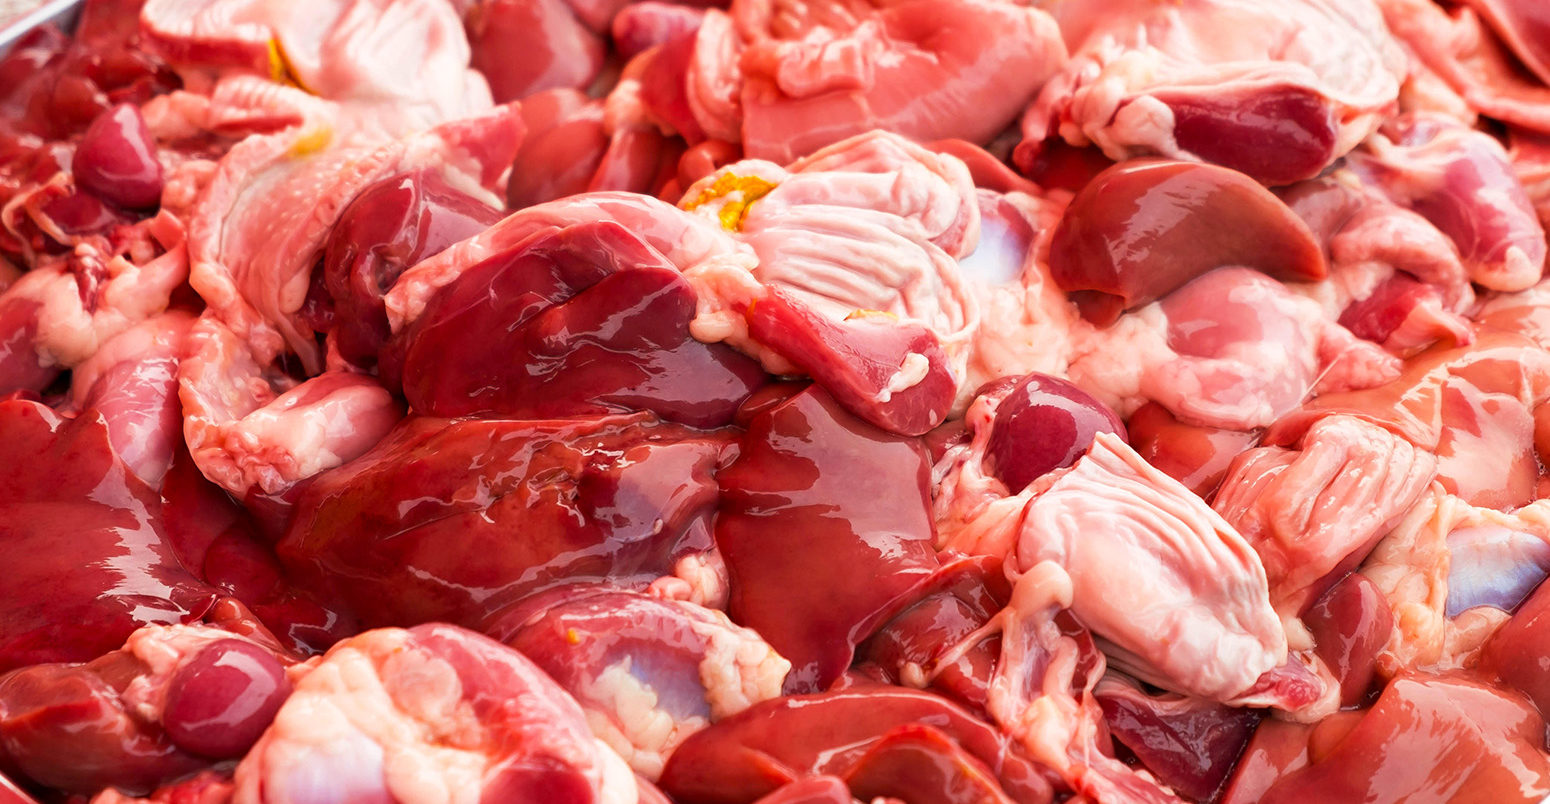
<point>811,480</point>
<point>587,481</point>
<point>1428,738</point>
<point>846,734</point>
<point>116,160</point>
<point>171,701</point>
<point>61,483</point>
<point>940,636</point>
<point>455,519</point>
<point>1045,424</point>
<point>584,319</point>
<point>1141,229</point>
<point>67,726</point>
<point>388,227</point>
<point>1189,744</point>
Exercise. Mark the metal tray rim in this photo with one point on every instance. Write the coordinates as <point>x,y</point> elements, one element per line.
<point>63,13</point>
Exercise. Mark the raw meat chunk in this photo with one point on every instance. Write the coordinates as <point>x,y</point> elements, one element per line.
<point>1462,181</point>
<point>810,479</point>
<point>433,713</point>
<point>1277,90</point>
<point>174,699</point>
<point>454,520</point>
<point>1313,513</point>
<point>788,78</point>
<point>647,672</point>
<point>61,483</point>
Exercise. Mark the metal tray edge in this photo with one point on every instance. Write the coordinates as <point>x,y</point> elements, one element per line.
<point>63,13</point>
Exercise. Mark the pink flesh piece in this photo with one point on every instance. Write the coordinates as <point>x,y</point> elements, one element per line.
<point>1426,736</point>
<point>537,748</point>
<point>1379,315</point>
<point>1277,748</point>
<point>663,89</point>
<point>21,369</point>
<point>1461,180</point>
<point>855,360</point>
<point>923,68</point>
<point>527,46</point>
<point>1524,25</point>
<point>755,752</point>
<point>649,23</point>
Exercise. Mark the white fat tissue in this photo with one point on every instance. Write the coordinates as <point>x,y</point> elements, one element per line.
<point>1414,565</point>
<point>346,732</point>
<point>873,223</point>
<point>1030,326</point>
<point>698,578</point>
<point>633,726</point>
<point>971,508</point>
<point>737,670</point>
<point>740,669</point>
<point>910,373</point>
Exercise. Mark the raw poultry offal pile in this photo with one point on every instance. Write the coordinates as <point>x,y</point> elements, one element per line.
<point>920,401</point>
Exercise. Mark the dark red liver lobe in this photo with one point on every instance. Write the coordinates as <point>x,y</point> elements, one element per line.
<point>455,520</point>
<point>816,500</point>
<point>586,319</point>
<point>83,543</point>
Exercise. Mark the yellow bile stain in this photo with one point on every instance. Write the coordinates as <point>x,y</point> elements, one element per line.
<point>732,213</point>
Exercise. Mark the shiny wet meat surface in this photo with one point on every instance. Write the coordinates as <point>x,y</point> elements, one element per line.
<point>734,401</point>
